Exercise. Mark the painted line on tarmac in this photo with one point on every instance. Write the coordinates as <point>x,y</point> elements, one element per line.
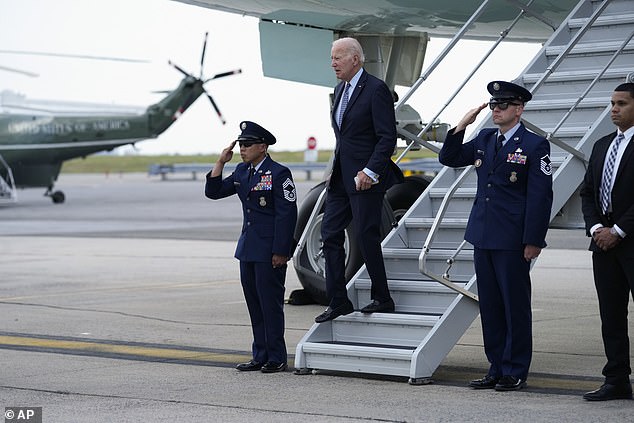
<point>123,350</point>
<point>136,351</point>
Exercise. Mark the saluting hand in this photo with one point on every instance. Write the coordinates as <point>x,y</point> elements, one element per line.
<point>227,153</point>
<point>470,117</point>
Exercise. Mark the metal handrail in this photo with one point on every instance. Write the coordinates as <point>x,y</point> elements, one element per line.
<point>501,38</point>
<point>13,192</point>
<point>431,68</point>
<point>444,279</point>
<point>422,258</point>
<point>549,136</point>
<point>554,140</point>
<point>313,215</point>
<point>555,64</point>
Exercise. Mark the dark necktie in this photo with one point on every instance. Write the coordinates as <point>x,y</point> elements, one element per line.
<point>344,104</point>
<point>251,173</point>
<point>498,143</point>
<point>608,174</point>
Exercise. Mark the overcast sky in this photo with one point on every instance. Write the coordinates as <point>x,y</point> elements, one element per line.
<point>162,30</point>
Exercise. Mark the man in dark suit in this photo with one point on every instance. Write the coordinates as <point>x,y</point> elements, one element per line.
<point>507,227</point>
<point>365,129</point>
<point>608,210</point>
<point>269,210</point>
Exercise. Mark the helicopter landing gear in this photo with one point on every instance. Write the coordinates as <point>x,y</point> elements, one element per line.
<point>57,197</point>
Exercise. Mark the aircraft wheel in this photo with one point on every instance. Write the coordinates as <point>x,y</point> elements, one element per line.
<point>402,196</point>
<point>311,268</point>
<point>58,197</point>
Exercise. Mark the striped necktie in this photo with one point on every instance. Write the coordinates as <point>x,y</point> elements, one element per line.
<point>608,174</point>
<point>344,104</point>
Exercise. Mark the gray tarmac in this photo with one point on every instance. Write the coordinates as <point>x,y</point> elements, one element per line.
<point>124,304</point>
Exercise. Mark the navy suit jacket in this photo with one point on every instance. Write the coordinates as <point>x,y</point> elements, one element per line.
<point>514,196</point>
<point>367,137</point>
<point>269,209</point>
<point>622,197</point>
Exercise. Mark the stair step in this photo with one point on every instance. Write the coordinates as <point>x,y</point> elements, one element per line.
<point>426,222</point>
<point>570,131</point>
<point>436,253</point>
<point>577,75</point>
<point>409,286</point>
<point>601,47</point>
<point>402,263</point>
<point>423,297</point>
<point>605,20</point>
<point>460,193</point>
<point>566,103</point>
<point>403,330</point>
<point>358,358</point>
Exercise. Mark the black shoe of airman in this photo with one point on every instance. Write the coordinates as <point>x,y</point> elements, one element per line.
<point>249,366</point>
<point>510,383</point>
<point>487,382</point>
<point>272,367</point>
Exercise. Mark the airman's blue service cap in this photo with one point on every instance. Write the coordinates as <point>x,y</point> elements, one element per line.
<point>502,90</point>
<point>254,134</point>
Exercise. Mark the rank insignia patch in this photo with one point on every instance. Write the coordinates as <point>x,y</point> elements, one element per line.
<point>289,190</point>
<point>545,165</point>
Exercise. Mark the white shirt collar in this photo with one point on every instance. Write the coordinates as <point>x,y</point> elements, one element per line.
<point>354,81</point>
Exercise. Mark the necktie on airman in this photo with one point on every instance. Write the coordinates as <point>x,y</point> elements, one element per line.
<point>344,104</point>
<point>608,174</point>
<point>251,173</point>
<point>498,143</point>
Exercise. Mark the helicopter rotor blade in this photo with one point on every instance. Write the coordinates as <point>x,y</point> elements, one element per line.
<point>20,71</point>
<point>178,68</point>
<point>213,103</point>
<point>73,56</point>
<point>202,56</point>
<point>223,74</point>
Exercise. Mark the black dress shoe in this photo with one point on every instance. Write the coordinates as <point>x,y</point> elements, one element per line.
<point>272,367</point>
<point>510,383</point>
<point>333,313</point>
<point>377,307</point>
<point>487,382</point>
<point>249,367</point>
<point>609,392</point>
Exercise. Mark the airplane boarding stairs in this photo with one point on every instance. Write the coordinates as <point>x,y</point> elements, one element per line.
<point>8,192</point>
<point>571,79</point>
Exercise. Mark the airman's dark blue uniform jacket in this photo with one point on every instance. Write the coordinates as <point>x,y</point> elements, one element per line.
<point>269,209</point>
<point>514,196</point>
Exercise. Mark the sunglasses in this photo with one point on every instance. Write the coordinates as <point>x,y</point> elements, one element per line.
<point>502,105</point>
<point>249,143</point>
